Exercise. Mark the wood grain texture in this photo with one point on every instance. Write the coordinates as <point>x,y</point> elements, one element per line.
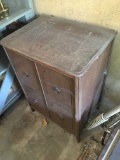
<point>67,45</point>
<point>61,67</point>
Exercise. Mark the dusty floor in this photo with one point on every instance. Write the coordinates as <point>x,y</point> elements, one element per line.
<point>23,137</point>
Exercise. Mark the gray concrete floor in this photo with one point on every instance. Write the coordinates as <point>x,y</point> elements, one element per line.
<point>22,137</point>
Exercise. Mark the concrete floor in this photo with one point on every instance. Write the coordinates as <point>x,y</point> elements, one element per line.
<point>24,138</point>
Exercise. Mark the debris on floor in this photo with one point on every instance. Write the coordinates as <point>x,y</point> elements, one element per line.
<point>44,123</point>
<point>23,138</point>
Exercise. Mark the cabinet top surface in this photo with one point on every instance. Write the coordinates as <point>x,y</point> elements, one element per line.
<point>67,45</point>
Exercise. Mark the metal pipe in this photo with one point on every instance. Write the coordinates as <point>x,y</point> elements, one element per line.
<point>1,4</point>
<point>111,112</point>
<point>102,118</point>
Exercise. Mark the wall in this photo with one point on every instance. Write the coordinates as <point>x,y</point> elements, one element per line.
<point>104,13</point>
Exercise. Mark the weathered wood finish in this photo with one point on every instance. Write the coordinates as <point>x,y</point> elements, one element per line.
<point>26,73</point>
<point>60,65</point>
<point>59,93</point>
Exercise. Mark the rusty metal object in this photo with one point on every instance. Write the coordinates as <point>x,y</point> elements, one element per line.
<point>111,150</point>
<point>4,10</point>
<point>104,137</point>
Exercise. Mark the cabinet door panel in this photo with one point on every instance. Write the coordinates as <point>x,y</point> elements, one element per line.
<point>25,70</point>
<point>63,118</point>
<point>35,100</point>
<point>58,87</point>
<point>59,92</point>
<point>27,76</point>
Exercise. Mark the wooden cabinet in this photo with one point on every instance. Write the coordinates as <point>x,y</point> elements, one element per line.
<point>61,67</point>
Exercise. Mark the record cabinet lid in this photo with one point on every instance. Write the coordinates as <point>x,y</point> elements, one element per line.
<point>64,44</point>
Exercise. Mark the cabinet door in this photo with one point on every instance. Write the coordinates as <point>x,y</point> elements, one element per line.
<point>62,117</point>
<point>59,91</point>
<point>36,100</point>
<point>25,70</point>
<point>27,76</point>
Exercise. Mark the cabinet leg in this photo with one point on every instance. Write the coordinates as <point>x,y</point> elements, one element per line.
<point>32,109</point>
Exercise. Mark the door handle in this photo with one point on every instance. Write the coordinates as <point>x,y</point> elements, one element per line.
<point>56,90</point>
<point>26,74</point>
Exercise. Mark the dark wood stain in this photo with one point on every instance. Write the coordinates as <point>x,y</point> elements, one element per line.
<point>60,65</point>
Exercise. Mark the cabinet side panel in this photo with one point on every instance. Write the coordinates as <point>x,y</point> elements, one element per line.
<point>90,85</point>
